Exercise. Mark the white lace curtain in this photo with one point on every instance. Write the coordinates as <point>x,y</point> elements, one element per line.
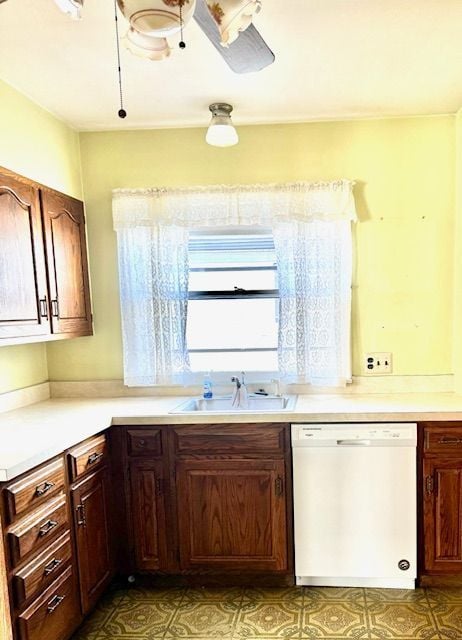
<point>311,223</point>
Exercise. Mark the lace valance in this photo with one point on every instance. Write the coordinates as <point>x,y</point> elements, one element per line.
<point>222,205</point>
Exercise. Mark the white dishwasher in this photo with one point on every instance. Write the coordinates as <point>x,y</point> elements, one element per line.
<point>355,504</point>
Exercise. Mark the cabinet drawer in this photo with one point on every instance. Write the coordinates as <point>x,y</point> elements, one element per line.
<point>37,529</point>
<point>252,440</point>
<point>33,489</point>
<point>38,574</point>
<point>88,456</point>
<point>444,439</point>
<point>144,442</point>
<point>55,614</point>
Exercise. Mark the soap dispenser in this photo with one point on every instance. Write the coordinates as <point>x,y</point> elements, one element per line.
<point>207,387</point>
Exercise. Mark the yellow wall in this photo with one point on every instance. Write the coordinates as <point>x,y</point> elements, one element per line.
<point>457,342</point>
<point>404,168</point>
<point>39,146</point>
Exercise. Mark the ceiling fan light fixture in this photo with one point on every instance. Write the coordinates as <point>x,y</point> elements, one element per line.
<point>232,17</point>
<point>157,18</point>
<point>221,131</point>
<point>144,46</point>
<point>71,7</point>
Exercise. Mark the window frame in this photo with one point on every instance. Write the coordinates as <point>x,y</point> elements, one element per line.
<point>238,294</point>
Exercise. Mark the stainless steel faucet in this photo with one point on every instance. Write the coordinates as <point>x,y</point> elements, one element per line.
<point>240,396</point>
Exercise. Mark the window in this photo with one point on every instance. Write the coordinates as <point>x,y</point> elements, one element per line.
<point>233,301</point>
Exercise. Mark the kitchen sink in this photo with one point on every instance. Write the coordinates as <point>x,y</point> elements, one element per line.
<point>223,404</point>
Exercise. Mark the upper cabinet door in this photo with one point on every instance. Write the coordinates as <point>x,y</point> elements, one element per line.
<point>24,311</point>
<point>64,224</point>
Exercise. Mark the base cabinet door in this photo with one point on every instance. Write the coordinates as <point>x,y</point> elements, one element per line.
<point>148,486</point>
<point>91,507</point>
<point>442,522</point>
<point>232,514</point>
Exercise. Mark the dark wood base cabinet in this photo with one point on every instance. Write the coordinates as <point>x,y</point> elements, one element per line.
<point>196,504</point>
<point>441,504</point>
<point>207,502</point>
<point>55,543</point>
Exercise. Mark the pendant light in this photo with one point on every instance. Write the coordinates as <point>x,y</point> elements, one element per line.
<point>221,132</point>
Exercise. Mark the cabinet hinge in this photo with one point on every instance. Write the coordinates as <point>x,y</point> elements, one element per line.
<point>278,486</point>
<point>429,485</point>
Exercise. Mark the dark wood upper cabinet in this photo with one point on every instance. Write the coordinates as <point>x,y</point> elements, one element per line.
<point>24,308</point>
<point>64,224</point>
<point>44,285</point>
<point>91,503</point>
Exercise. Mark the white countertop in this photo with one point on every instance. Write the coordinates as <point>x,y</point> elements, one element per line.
<point>33,434</point>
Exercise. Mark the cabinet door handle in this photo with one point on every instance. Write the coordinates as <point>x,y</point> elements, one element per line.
<point>47,527</point>
<point>42,489</point>
<point>81,518</point>
<point>159,486</point>
<point>51,566</point>
<point>94,458</point>
<point>43,307</point>
<point>55,308</point>
<point>278,486</point>
<point>54,603</point>
<point>449,440</point>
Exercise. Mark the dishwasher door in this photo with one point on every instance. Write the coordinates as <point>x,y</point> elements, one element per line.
<point>355,505</point>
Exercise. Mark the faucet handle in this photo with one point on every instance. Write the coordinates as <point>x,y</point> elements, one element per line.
<point>243,377</point>
<point>236,380</point>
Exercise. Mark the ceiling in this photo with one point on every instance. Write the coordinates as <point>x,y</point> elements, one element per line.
<point>335,59</point>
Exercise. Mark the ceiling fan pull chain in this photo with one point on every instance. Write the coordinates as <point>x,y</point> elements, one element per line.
<point>182,43</point>
<point>121,113</point>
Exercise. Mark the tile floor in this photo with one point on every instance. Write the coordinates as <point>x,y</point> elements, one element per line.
<point>141,613</point>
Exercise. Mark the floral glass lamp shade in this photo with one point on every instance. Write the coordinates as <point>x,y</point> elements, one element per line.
<point>232,17</point>
<point>145,46</point>
<point>221,132</point>
<point>157,18</point>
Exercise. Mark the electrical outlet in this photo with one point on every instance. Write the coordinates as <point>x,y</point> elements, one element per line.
<point>378,363</point>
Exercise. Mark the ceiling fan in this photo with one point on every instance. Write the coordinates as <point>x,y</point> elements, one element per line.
<point>226,23</point>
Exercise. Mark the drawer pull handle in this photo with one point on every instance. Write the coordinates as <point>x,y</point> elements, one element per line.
<point>42,489</point>
<point>47,527</point>
<point>95,457</point>
<point>54,603</point>
<point>141,443</point>
<point>52,566</point>
<point>449,440</point>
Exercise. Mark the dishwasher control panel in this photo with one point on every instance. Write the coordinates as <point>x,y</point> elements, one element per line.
<point>348,434</point>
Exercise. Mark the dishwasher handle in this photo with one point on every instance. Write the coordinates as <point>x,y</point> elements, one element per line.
<point>356,443</point>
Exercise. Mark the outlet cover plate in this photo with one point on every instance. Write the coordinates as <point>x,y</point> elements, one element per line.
<point>378,363</point>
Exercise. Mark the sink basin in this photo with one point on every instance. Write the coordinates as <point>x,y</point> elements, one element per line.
<point>222,404</point>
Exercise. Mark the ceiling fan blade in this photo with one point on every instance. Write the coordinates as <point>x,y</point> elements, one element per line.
<point>246,54</point>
